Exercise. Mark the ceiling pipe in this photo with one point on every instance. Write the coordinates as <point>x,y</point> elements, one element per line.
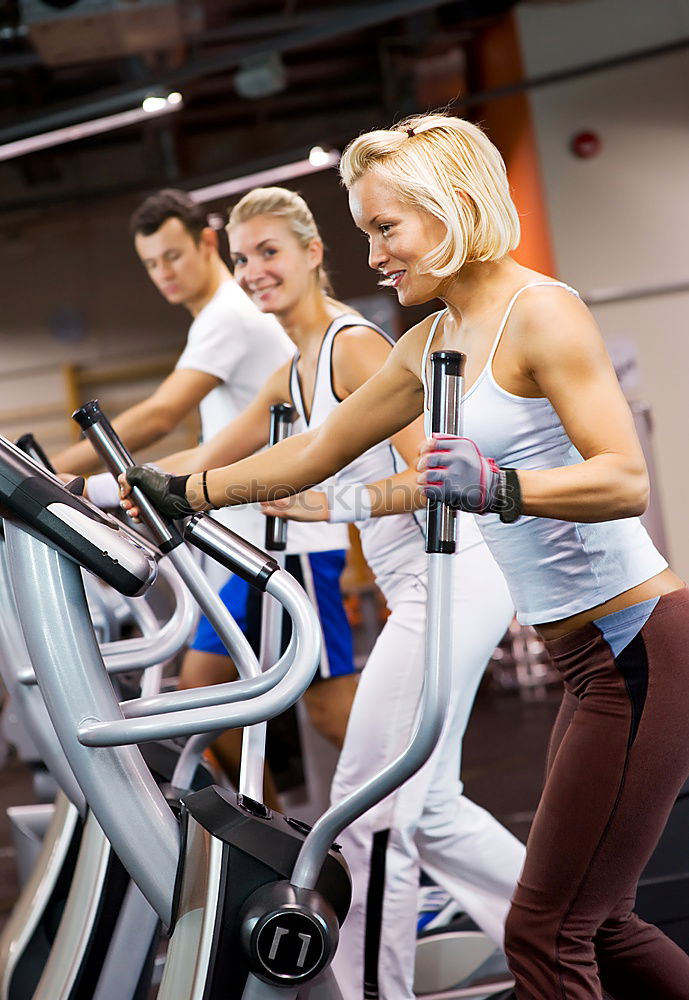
<point>334,22</point>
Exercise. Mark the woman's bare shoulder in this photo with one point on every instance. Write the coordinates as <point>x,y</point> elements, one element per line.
<point>412,343</point>
<point>547,306</point>
<point>555,328</point>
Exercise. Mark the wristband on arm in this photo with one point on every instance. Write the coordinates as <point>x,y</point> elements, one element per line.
<point>103,490</point>
<point>509,499</point>
<point>348,502</point>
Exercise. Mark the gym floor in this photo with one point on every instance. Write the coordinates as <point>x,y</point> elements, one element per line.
<point>504,753</point>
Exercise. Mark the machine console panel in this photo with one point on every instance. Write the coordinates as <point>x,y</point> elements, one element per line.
<point>72,525</point>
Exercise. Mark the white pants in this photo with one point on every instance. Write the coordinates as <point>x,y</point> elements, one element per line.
<point>427,822</point>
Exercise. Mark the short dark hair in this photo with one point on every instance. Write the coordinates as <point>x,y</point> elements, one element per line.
<point>169,203</point>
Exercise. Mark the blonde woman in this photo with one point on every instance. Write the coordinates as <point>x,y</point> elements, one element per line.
<point>557,500</point>
<point>277,254</point>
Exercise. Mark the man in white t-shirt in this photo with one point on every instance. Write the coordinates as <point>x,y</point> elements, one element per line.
<point>231,349</point>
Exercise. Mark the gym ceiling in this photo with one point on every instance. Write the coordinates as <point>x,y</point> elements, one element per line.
<point>262,81</point>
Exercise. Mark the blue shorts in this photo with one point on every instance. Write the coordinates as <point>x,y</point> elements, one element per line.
<point>319,574</point>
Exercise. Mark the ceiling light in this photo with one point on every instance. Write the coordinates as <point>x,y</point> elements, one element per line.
<point>159,102</point>
<point>318,157</point>
<point>153,103</point>
<point>264,178</point>
<point>60,136</point>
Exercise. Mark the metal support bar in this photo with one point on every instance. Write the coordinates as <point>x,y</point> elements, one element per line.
<point>108,730</point>
<point>446,395</point>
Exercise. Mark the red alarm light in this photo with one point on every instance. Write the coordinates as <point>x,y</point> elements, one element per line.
<point>585,144</point>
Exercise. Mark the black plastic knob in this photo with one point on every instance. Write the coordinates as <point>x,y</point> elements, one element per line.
<point>289,934</point>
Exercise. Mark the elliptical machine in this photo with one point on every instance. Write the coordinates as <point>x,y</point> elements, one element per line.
<point>67,919</point>
<point>281,935</point>
<point>68,664</point>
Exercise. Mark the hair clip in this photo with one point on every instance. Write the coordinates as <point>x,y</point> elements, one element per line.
<point>410,131</point>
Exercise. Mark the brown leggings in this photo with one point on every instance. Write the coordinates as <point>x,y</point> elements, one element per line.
<point>619,755</point>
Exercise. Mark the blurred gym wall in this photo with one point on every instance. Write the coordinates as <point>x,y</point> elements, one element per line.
<point>619,217</point>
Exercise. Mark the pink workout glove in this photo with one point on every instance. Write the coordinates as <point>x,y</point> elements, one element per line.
<point>454,471</point>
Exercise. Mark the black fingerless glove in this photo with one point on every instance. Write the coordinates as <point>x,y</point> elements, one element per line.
<point>166,493</point>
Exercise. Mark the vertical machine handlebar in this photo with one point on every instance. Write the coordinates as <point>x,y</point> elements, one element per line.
<point>448,368</point>
<point>113,451</point>
<point>447,381</point>
<point>99,431</point>
<point>30,446</point>
<point>281,418</point>
<point>254,738</point>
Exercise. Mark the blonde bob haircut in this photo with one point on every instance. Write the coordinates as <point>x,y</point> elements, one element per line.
<point>448,167</point>
<point>284,204</point>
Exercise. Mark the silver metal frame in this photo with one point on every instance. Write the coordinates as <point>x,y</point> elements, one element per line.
<point>49,592</point>
<point>21,926</point>
<point>69,667</point>
<point>50,596</point>
<point>73,935</point>
<point>28,701</point>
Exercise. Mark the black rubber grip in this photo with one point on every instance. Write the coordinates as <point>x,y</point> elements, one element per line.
<point>29,444</point>
<point>281,419</point>
<point>88,414</point>
<point>451,362</point>
<point>117,458</point>
<point>447,372</point>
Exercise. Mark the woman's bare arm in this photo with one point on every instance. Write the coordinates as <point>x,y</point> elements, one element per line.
<point>564,356</point>
<point>357,355</point>
<point>400,494</point>
<point>352,367</point>
<point>241,437</point>
<point>380,408</point>
<point>397,494</point>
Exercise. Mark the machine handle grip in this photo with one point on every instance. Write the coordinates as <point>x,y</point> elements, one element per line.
<point>106,441</point>
<point>281,420</point>
<point>231,550</point>
<point>29,445</point>
<point>447,381</point>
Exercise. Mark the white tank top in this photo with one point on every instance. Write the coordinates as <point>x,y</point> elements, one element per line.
<point>394,546</point>
<point>553,568</point>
